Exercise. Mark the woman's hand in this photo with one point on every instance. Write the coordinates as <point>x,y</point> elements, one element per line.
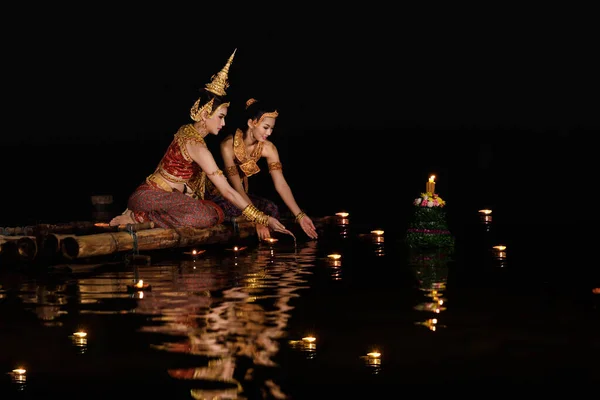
<point>278,226</point>
<point>262,232</point>
<point>308,227</point>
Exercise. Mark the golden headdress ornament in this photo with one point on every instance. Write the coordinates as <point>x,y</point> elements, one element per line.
<point>249,102</point>
<point>217,85</point>
<point>273,114</point>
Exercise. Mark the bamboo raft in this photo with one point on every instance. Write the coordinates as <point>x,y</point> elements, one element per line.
<point>83,240</point>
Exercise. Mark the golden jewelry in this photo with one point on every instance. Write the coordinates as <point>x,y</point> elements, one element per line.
<point>300,215</point>
<point>219,81</point>
<point>247,162</point>
<point>253,214</point>
<point>217,86</point>
<point>231,171</point>
<point>273,114</point>
<point>275,166</point>
<point>217,172</point>
<point>249,102</point>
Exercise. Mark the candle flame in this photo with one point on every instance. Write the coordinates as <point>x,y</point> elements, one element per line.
<point>335,256</point>
<point>309,339</point>
<point>377,232</point>
<point>140,283</point>
<point>501,248</point>
<point>19,371</point>
<point>485,211</point>
<point>194,252</point>
<point>432,178</point>
<point>80,334</point>
<point>374,354</point>
<point>342,214</point>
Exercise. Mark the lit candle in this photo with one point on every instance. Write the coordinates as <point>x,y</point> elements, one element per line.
<point>138,286</point>
<point>377,236</point>
<point>500,251</point>
<point>343,218</point>
<point>336,260</point>
<point>270,240</point>
<point>430,186</point>
<point>486,216</point>
<point>19,375</point>
<point>194,253</point>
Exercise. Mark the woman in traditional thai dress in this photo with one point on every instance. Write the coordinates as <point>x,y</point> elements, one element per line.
<point>169,197</point>
<point>240,153</point>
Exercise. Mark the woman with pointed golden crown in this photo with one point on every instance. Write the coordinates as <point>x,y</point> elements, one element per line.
<point>241,153</point>
<point>168,197</point>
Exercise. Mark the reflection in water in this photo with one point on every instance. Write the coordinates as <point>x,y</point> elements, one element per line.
<point>231,311</point>
<point>431,270</point>
<point>235,324</point>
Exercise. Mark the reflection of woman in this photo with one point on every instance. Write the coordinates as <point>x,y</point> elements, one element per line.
<point>168,197</point>
<point>240,154</point>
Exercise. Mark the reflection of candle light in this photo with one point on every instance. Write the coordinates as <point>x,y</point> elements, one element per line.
<point>19,375</point>
<point>430,186</point>
<point>500,251</point>
<point>486,216</point>
<point>343,218</point>
<point>378,236</point>
<point>138,286</point>
<point>80,339</point>
<point>101,224</point>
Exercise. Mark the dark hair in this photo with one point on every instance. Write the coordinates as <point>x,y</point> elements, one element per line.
<point>206,96</point>
<point>254,111</point>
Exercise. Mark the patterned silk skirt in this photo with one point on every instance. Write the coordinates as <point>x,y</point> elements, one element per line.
<point>173,209</point>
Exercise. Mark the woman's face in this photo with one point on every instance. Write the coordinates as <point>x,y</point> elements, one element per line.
<point>215,123</point>
<point>263,130</point>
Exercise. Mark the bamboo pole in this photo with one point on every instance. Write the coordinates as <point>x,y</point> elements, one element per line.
<point>26,247</point>
<point>150,239</point>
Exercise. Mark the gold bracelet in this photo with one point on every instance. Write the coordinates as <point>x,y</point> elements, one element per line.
<point>300,215</point>
<point>253,214</point>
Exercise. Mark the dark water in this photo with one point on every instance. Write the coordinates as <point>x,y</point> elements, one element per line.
<point>231,325</point>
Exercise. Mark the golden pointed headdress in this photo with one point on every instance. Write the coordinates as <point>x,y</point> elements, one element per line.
<point>219,81</point>
<point>217,86</point>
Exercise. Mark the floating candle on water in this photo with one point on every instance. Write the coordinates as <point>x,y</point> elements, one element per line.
<point>194,252</point>
<point>138,286</point>
<point>486,216</point>
<point>500,251</point>
<point>377,236</point>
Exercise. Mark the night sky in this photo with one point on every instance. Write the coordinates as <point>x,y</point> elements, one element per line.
<point>512,94</point>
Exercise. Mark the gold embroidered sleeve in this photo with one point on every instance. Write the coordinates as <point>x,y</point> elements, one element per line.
<point>231,171</point>
<point>275,166</point>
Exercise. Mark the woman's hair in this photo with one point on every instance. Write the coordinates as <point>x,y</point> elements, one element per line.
<point>204,98</point>
<point>255,110</point>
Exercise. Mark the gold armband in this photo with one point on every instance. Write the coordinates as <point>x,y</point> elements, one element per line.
<point>231,171</point>
<point>217,172</point>
<point>253,214</point>
<point>300,215</point>
<point>274,166</point>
